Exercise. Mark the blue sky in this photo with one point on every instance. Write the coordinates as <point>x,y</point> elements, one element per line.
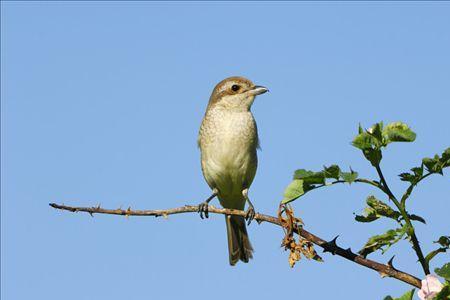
<point>102,101</point>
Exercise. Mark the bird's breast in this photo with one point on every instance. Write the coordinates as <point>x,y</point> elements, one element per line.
<point>228,142</point>
<point>228,136</point>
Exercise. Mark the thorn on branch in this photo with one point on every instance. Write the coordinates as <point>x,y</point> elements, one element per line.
<point>391,262</point>
<point>331,246</point>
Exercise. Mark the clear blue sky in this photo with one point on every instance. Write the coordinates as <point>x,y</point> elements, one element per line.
<point>102,101</point>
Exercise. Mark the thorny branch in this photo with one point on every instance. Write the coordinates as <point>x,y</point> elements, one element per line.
<point>386,270</point>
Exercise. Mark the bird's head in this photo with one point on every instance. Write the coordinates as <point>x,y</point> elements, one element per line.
<point>235,93</point>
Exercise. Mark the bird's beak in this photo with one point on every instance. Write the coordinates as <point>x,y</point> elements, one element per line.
<point>258,90</point>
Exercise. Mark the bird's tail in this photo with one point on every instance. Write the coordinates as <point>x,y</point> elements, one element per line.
<point>239,246</point>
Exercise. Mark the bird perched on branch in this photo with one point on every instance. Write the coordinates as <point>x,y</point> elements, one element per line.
<point>228,141</point>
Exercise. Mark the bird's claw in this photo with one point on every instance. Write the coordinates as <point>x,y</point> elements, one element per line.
<point>250,215</point>
<point>203,210</point>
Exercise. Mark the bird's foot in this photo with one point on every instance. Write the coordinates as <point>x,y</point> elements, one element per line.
<point>250,214</point>
<point>203,209</point>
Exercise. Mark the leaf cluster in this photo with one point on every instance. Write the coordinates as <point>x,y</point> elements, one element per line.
<point>306,180</point>
<point>433,165</point>
<point>384,241</point>
<point>371,141</point>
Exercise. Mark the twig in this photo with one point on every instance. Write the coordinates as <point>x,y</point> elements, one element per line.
<point>405,216</point>
<point>410,189</point>
<point>383,269</point>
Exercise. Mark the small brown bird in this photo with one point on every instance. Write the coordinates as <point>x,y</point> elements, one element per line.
<point>228,141</point>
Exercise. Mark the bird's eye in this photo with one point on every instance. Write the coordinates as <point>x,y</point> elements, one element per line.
<point>235,88</point>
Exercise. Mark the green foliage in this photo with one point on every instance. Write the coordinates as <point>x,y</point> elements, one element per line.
<point>306,180</point>
<point>294,190</point>
<point>406,296</point>
<point>376,209</point>
<point>371,142</point>
<point>378,136</point>
<point>444,271</point>
<point>373,139</point>
<point>414,177</point>
<point>369,215</point>
<point>383,241</point>
<point>444,294</point>
<point>414,217</point>
<point>310,177</point>
<point>349,177</point>
<point>398,132</point>
<point>382,208</point>
<point>433,165</point>
<point>444,241</point>
<point>366,141</point>
<point>437,164</point>
<point>332,171</point>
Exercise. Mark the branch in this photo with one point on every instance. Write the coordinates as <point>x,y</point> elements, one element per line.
<point>410,189</point>
<point>383,269</point>
<point>401,208</point>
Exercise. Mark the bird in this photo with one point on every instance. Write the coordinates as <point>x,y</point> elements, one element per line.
<point>228,142</point>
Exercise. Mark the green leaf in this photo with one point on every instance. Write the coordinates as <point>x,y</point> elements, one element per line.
<point>433,165</point>
<point>377,132</point>
<point>444,294</point>
<point>413,177</point>
<point>418,171</point>
<point>436,164</point>
<point>433,253</point>
<point>369,215</point>
<point>373,155</point>
<point>446,154</point>
<point>417,218</point>
<point>444,271</point>
<point>349,176</point>
<point>407,177</point>
<point>397,132</point>
<point>370,143</point>
<point>429,163</point>
<point>332,171</point>
<point>445,158</point>
<point>406,296</point>
<point>382,209</point>
<point>310,177</point>
<point>293,191</point>
<point>365,141</point>
<point>444,241</point>
<point>376,209</point>
<point>302,173</point>
<point>382,241</point>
